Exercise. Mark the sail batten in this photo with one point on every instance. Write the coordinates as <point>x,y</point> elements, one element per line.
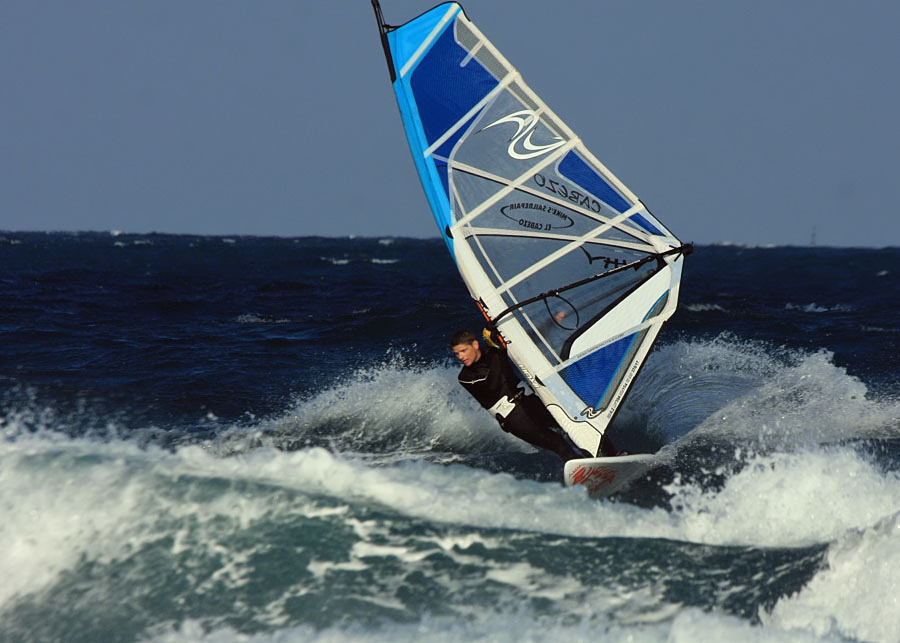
<point>567,264</point>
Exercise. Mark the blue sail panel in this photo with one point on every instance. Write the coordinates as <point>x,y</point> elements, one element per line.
<point>437,84</point>
<point>440,69</point>
<point>406,41</point>
<point>591,377</point>
<point>575,168</point>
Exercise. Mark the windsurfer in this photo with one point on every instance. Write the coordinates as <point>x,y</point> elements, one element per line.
<point>489,376</point>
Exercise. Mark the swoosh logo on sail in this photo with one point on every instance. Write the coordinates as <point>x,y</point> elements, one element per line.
<point>521,146</point>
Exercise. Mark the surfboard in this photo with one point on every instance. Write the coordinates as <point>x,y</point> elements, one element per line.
<point>604,476</point>
<point>566,264</point>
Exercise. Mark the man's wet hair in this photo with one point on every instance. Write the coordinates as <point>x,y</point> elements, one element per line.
<point>462,337</point>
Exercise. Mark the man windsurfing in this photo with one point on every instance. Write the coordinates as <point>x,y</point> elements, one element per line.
<point>489,377</point>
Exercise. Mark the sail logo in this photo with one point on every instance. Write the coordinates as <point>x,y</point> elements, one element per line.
<point>530,214</point>
<point>521,145</point>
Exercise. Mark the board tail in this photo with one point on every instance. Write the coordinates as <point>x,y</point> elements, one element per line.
<point>605,476</point>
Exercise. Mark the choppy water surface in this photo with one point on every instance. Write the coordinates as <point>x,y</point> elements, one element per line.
<point>251,439</point>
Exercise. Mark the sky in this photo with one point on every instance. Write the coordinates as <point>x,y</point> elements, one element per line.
<point>749,122</point>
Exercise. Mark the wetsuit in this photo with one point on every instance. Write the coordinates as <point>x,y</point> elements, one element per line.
<point>492,381</point>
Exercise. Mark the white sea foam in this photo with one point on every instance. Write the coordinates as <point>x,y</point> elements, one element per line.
<point>805,499</point>
<point>879,329</point>
<point>511,626</point>
<point>54,512</point>
<point>787,500</point>
<point>704,308</point>
<point>135,242</point>
<point>857,595</point>
<point>251,318</point>
<point>733,390</point>
<point>411,408</point>
<point>814,308</point>
<point>781,501</point>
<point>64,501</point>
<point>764,397</point>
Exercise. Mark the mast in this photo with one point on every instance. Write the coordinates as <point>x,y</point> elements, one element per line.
<point>383,31</point>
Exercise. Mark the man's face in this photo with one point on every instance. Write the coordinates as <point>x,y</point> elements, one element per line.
<point>468,354</point>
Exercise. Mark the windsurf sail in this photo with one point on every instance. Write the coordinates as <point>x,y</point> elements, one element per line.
<point>570,268</point>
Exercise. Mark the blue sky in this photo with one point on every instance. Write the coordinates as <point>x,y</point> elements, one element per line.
<point>747,122</point>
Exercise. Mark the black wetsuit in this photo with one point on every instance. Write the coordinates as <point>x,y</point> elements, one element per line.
<point>491,378</point>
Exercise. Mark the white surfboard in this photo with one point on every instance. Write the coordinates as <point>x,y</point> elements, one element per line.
<point>604,476</point>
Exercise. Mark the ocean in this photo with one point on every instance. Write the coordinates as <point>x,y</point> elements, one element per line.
<point>258,439</point>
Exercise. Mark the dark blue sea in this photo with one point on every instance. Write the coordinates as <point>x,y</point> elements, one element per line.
<point>256,439</point>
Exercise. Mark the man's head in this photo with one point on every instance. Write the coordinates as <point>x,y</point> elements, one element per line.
<point>465,347</point>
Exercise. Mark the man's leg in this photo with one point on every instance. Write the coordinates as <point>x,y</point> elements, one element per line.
<point>537,411</point>
<point>521,425</point>
<point>539,415</point>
